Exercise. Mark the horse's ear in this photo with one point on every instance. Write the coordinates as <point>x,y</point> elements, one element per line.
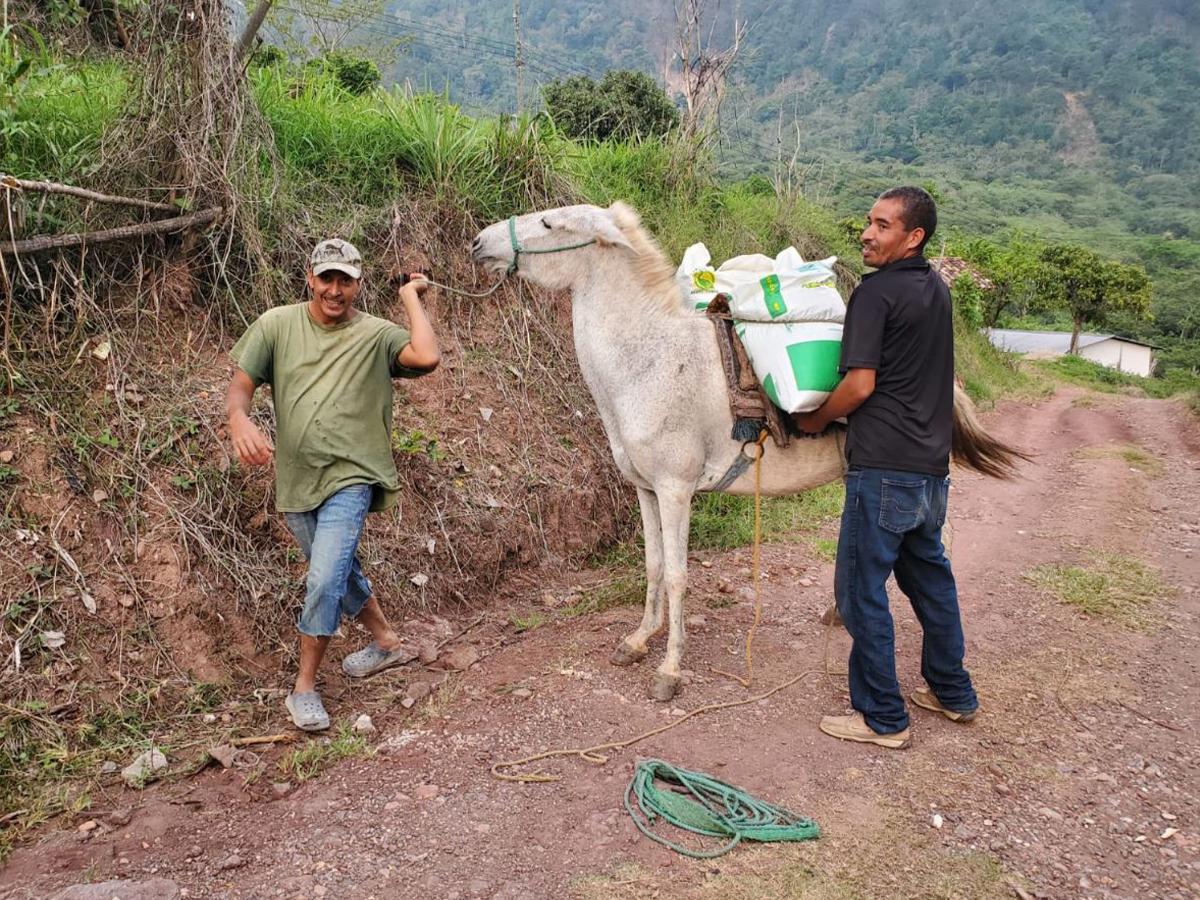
<point>608,233</point>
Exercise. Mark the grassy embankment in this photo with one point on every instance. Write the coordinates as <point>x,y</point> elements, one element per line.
<point>341,163</point>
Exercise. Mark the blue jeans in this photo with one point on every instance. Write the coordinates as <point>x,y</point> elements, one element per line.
<point>892,522</point>
<point>329,535</point>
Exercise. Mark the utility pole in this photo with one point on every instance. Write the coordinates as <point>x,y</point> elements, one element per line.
<point>518,63</point>
<point>252,25</point>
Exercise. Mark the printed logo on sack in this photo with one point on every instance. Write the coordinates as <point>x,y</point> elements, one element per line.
<point>704,279</point>
<point>772,296</point>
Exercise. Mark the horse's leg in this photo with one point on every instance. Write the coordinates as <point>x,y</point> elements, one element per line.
<point>634,647</point>
<point>674,509</point>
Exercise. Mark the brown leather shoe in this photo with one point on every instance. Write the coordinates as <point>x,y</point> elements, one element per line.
<point>926,699</point>
<point>853,728</point>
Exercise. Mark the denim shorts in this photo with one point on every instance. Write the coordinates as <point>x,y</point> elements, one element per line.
<point>329,536</point>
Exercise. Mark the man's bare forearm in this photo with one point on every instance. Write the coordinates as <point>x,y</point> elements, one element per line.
<point>239,396</point>
<point>422,351</point>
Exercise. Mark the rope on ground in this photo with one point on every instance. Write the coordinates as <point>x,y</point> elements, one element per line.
<point>755,567</point>
<point>713,809</point>
<point>596,754</point>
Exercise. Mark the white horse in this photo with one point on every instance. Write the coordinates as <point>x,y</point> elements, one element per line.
<point>654,370</point>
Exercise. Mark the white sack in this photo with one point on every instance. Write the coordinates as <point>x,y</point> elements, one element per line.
<point>796,362</point>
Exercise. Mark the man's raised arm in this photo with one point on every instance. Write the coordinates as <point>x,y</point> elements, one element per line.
<point>422,350</point>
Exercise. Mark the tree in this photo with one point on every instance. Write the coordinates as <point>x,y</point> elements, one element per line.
<point>1017,274</point>
<point>703,70</point>
<point>1091,288</point>
<point>622,105</point>
<point>354,73</point>
<point>321,28</point>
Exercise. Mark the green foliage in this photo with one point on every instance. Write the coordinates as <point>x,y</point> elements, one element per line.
<point>371,147</point>
<point>1092,289</point>
<point>416,443</point>
<point>1085,373</point>
<point>987,373</point>
<point>267,55</point>
<point>319,754</point>
<point>622,105</point>
<point>52,116</point>
<point>1017,274</point>
<point>968,300</point>
<point>355,74</point>
<point>724,521</point>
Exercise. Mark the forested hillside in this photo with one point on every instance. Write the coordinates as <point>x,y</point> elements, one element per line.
<point>1071,120</point>
<point>1101,82</point>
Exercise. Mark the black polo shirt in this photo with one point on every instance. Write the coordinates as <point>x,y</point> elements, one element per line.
<point>900,323</point>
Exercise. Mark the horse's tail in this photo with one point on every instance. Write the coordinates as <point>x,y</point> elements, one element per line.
<point>974,448</point>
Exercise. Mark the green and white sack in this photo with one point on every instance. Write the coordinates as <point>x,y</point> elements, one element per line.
<point>796,362</point>
<point>696,278</point>
<point>784,289</point>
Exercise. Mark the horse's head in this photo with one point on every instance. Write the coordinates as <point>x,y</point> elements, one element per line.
<point>556,248</point>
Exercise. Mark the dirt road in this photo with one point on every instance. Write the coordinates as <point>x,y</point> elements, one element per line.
<point>1081,778</point>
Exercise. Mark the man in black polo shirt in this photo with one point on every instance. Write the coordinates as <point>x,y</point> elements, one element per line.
<point>898,395</point>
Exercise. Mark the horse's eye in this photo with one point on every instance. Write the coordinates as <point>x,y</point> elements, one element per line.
<point>547,224</point>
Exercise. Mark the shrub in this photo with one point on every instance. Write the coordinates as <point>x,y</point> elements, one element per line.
<point>622,105</point>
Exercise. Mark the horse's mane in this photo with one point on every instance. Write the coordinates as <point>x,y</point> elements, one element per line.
<point>651,265</point>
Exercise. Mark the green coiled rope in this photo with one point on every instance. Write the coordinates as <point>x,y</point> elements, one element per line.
<point>704,805</point>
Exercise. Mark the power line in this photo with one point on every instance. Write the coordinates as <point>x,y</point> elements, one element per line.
<point>445,38</point>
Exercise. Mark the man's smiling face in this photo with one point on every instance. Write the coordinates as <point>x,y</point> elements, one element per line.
<point>887,237</point>
<point>333,295</point>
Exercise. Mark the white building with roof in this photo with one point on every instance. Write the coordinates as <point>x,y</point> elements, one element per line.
<point>1126,355</point>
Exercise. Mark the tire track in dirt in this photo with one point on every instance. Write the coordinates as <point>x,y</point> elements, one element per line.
<point>1062,782</point>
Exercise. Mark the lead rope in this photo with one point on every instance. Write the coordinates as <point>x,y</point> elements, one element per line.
<point>755,566</point>
<point>517,250</point>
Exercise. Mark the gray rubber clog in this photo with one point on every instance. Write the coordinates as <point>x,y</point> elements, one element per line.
<point>308,712</point>
<point>373,658</point>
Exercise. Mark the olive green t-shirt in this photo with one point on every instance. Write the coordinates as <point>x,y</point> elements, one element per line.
<point>332,388</point>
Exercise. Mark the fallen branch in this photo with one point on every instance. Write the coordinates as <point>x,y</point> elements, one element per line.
<point>264,739</point>
<point>58,241</point>
<point>53,187</point>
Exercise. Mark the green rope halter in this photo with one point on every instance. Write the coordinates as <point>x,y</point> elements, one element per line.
<point>517,249</point>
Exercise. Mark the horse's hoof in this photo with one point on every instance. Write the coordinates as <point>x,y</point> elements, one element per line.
<point>625,655</point>
<point>664,687</point>
<point>832,617</point>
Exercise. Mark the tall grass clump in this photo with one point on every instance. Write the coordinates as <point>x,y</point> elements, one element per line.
<point>372,147</point>
<point>54,115</point>
<point>988,372</point>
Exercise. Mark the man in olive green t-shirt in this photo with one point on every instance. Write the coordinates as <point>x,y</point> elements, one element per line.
<point>330,368</point>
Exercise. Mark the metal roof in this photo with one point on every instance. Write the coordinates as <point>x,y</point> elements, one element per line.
<point>1048,341</point>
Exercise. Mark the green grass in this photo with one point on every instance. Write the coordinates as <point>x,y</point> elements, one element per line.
<point>368,148</point>
<point>1133,456</point>
<point>824,548</point>
<point>57,118</point>
<point>987,372</point>
<point>529,621</point>
<point>318,755</point>
<point>723,521</point>
<point>1085,373</point>
<point>1110,587</point>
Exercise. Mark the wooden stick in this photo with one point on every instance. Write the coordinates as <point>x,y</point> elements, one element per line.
<point>52,187</point>
<point>265,739</point>
<point>58,241</point>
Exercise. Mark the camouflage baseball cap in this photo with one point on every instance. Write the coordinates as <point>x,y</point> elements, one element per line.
<point>337,254</point>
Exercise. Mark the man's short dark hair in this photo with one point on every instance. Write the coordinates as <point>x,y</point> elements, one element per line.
<point>919,210</point>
